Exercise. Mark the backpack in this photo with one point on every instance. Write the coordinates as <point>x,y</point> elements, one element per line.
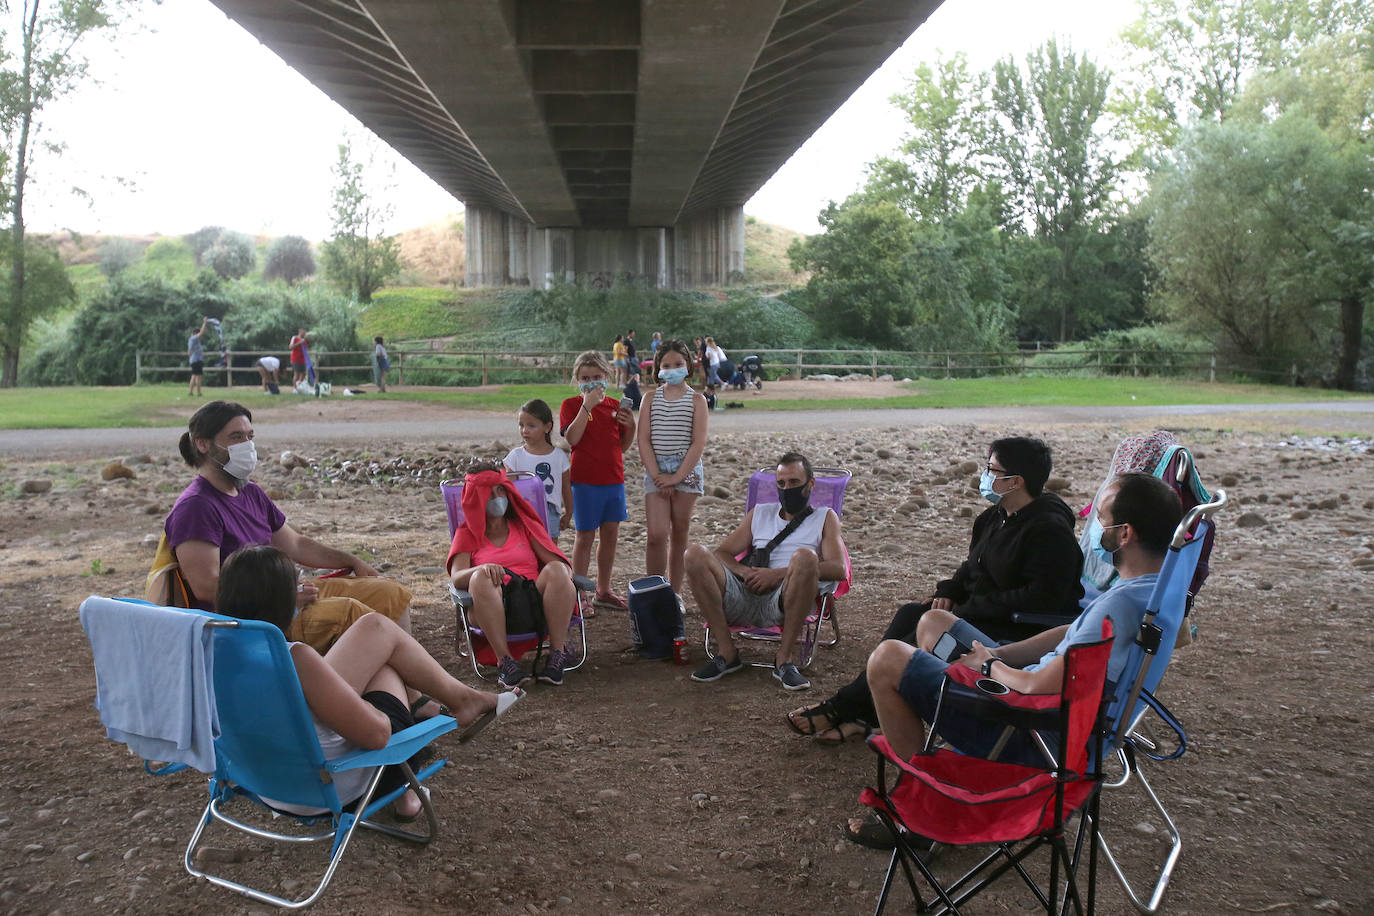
<point>655,617</point>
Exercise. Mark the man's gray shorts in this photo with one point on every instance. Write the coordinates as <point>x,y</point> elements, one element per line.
<point>744,608</point>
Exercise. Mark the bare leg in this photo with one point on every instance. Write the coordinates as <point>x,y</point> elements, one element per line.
<point>931,627</point>
<point>706,579</point>
<point>374,643</point>
<point>605,556</point>
<point>682,506</point>
<point>582,551</point>
<point>904,729</point>
<point>489,612</point>
<point>386,679</point>
<point>658,508</point>
<point>556,588</point>
<point>798,598</point>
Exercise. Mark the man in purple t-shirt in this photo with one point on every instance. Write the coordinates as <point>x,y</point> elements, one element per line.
<point>222,510</point>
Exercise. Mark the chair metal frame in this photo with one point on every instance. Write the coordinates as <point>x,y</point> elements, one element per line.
<point>473,642</point>
<point>1118,735</point>
<point>828,479</point>
<point>236,770</point>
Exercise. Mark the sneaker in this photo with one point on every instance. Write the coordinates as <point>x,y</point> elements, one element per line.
<point>610,600</point>
<point>790,676</point>
<point>511,674</point>
<point>553,668</point>
<point>717,668</point>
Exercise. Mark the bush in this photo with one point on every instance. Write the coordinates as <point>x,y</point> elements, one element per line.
<point>1147,350</point>
<point>289,258</point>
<point>200,241</point>
<point>116,256</point>
<point>233,255</point>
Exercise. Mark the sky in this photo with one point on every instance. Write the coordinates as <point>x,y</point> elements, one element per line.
<point>195,123</point>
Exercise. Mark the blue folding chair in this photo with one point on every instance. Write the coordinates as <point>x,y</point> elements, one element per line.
<point>1133,698</point>
<point>267,747</point>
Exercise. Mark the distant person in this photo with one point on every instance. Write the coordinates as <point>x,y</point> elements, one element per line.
<point>195,355</point>
<point>699,357</point>
<point>631,356</point>
<point>672,438</point>
<point>618,359</point>
<point>655,342</point>
<point>600,430</point>
<point>268,367</point>
<point>380,364</point>
<point>298,344</point>
<point>714,357</point>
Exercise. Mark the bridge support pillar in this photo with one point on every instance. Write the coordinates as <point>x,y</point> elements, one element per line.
<point>708,248</point>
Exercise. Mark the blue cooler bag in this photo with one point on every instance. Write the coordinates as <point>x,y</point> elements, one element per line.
<point>655,617</point>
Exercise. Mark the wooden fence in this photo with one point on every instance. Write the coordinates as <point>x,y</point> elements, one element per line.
<point>425,363</point>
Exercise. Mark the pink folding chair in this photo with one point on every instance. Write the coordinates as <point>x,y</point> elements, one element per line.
<point>827,493</point>
<point>473,644</point>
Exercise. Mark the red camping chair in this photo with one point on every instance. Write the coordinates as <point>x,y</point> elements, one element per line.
<point>827,493</point>
<point>961,800</point>
<point>473,644</point>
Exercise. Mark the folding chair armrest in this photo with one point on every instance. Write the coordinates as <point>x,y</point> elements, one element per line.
<point>583,584</point>
<point>460,597</point>
<point>401,746</point>
<point>1042,620</point>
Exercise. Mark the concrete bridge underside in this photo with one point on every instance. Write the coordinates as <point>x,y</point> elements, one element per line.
<point>591,137</point>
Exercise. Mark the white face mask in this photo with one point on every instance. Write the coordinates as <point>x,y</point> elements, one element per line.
<point>243,458</point>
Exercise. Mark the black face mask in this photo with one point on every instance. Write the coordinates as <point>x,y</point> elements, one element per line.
<point>793,499</point>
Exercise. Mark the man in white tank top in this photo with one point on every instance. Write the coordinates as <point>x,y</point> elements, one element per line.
<point>729,591</point>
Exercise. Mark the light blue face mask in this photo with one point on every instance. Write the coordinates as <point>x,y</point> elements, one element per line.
<point>592,386</point>
<point>497,505</point>
<point>673,376</point>
<point>985,486</point>
<point>1095,541</point>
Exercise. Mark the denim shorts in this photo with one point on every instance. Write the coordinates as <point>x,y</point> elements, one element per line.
<point>920,687</point>
<point>596,504</point>
<point>669,464</point>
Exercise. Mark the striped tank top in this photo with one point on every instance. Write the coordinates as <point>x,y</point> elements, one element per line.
<point>670,423</point>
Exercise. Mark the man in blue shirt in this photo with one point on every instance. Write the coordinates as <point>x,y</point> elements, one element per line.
<point>196,357</point>
<point>1138,513</point>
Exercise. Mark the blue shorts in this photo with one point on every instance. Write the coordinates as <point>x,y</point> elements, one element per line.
<point>920,687</point>
<point>595,504</point>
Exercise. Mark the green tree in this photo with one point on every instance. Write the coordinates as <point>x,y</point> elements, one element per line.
<point>47,290</point>
<point>938,162</point>
<point>862,282</point>
<point>116,256</point>
<point>1188,60</point>
<point>358,259</point>
<point>233,255</point>
<point>44,63</point>
<point>1265,233</point>
<point>200,241</point>
<point>289,258</point>
<point>1049,155</point>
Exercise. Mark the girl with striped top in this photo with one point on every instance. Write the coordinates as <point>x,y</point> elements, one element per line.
<point>672,437</point>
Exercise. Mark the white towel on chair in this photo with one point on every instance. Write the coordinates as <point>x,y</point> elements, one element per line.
<point>154,679</point>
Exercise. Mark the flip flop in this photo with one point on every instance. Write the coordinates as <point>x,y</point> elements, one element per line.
<point>872,833</point>
<point>400,818</point>
<point>504,701</point>
<point>845,731</point>
<point>421,702</point>
<point>824,709</point>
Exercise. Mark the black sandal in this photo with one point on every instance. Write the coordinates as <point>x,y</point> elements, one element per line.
<point>862,734</point>
<point>421,702</point>
<point>826,709</point>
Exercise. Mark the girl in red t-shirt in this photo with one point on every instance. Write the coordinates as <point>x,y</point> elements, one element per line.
<point>600,430</point>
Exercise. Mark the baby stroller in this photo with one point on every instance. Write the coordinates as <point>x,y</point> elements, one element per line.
<point>751,371</point>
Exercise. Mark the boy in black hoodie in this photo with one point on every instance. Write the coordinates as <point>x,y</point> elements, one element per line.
<point>1023,557</point>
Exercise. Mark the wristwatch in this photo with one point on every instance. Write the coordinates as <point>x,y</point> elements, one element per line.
<point>987,666</point>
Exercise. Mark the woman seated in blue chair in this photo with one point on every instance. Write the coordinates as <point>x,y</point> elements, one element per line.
<point>357,690</point>
<point>500,547</point>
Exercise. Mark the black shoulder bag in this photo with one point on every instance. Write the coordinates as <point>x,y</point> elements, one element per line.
<point>760,556</point>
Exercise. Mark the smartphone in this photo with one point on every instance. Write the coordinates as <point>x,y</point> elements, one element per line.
<point>948,648</point>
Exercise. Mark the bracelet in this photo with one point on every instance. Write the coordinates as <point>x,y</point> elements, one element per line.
<point>987,666</point>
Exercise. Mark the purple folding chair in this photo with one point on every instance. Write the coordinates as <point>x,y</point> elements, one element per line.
<point>473,644</point>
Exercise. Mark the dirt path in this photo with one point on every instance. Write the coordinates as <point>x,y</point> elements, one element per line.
<point>632,789</point>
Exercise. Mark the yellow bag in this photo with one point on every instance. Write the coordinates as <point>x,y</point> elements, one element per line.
<point>165,586</point>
